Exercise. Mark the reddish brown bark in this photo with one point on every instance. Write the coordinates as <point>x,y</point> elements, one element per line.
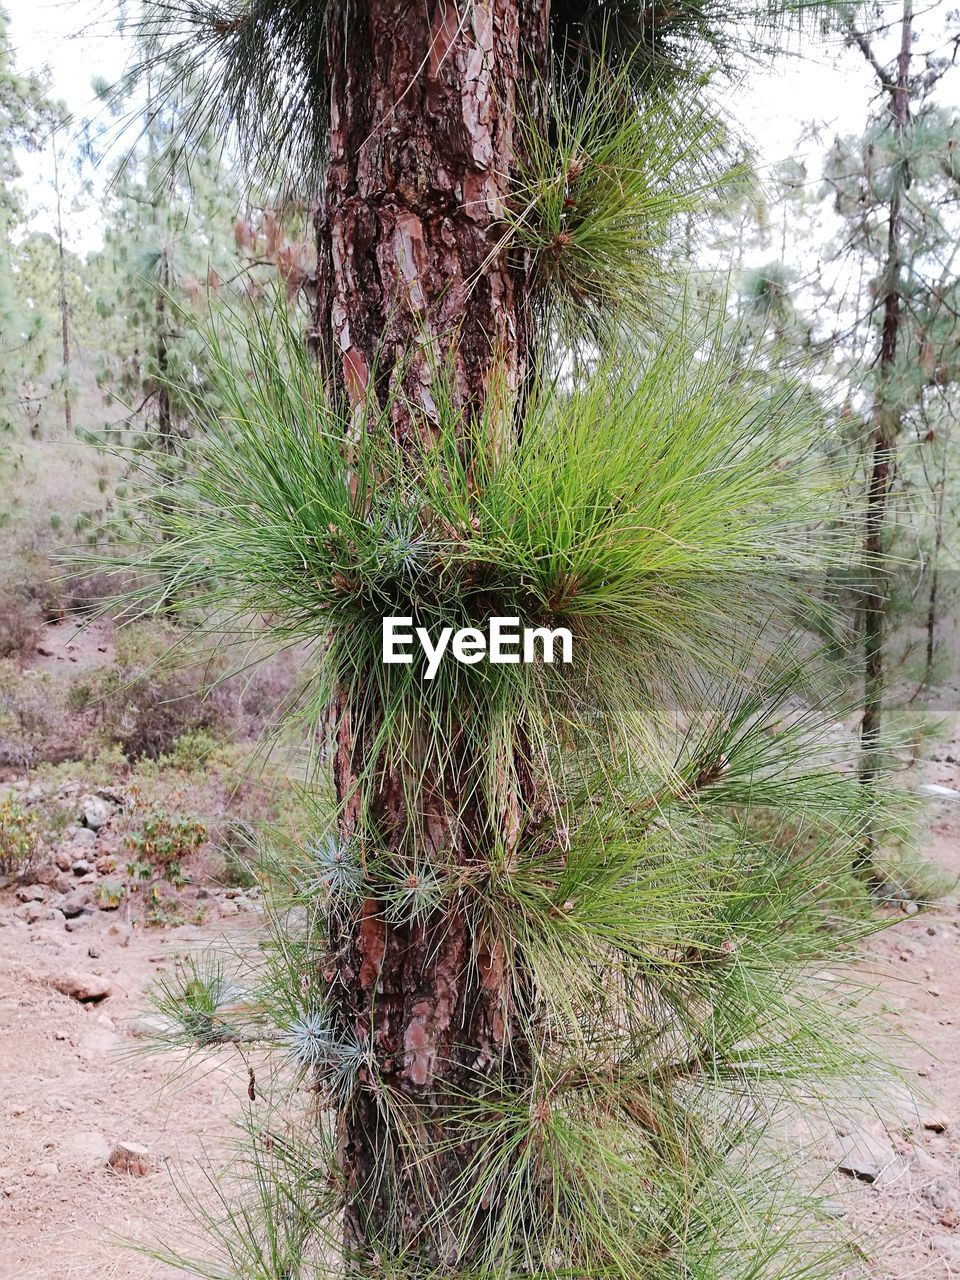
<point>433,1000</point>
<point>414,279</point>
<point>414,273</point>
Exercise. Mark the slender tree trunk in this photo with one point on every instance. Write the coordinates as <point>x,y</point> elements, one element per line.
<point>164,414</point>
<point>413,283</point>
<point>935,577</point>
<point>165,438</point>
<point>64,305</point>
<point>886,427</point>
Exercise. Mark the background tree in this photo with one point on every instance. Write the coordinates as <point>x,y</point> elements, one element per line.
<point>819,306</point>
<point>896,192</point>
<point>58,156</point>
<point>887,417</point>
<point>24,116</point>
<point>166,245</point>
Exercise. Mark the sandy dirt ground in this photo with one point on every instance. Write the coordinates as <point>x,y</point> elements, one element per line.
<point>74,1085</point>
<point>909,1217</point>
<point>65,643</point>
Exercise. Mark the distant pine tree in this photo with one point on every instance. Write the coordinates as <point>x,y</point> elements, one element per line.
<point>25,116</point>
<point>896,189</point>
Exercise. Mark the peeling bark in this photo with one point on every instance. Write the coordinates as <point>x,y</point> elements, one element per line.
<point>415,278</point>
<point>436,1004</point>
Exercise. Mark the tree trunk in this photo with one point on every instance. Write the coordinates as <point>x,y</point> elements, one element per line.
<point>886,427</point>
<point>413,277</point>
<point>165,440</point>
<point>931,624</point>
<point>64,305</point>
<point>414,284</point>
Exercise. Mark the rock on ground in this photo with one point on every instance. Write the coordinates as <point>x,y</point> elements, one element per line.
<point>130,1157</point>
<point>85,988</point>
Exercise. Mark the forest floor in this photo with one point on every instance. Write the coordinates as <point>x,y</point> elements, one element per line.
<point>74,1084</point>
<point>74,1087</point>
<point>908,1218</point>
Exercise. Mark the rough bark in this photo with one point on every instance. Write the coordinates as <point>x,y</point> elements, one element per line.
<point>414,281</point>
<point>414,276</point>
<point>887,420</point>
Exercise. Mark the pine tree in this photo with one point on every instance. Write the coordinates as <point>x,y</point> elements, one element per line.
<point>897,192</point>
<point>53,294</point>
<point>59,157</point>
<point>25,113</point>
<point>166,242</point>
<point>871,315</point>
<point>547,957</point>
<point>886,428</point>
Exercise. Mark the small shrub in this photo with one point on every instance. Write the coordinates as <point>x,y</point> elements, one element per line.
<point>910,877</point>
<point>54,818</point>
<point>174,873</point>
<point>34,721</point>
<point>236,873</point>
<point>109,764</point>
<point>146,702</point>
<point>20,621</point>
<point>164,841</point>
<point>137,870</point>
<point>79,696</point>
<point>28,701</point>
<point>108,895</point>
<point>15,754</point>
<point>19,838</point>
<point>259,697</point>
<point>143,644</point>
<point>191,751</point>
<point>238,846</point>
<point>85,593</point>
<point>161,912</point>
<point>29,585</point>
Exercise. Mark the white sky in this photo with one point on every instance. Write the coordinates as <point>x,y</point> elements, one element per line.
<point>819,83</point>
